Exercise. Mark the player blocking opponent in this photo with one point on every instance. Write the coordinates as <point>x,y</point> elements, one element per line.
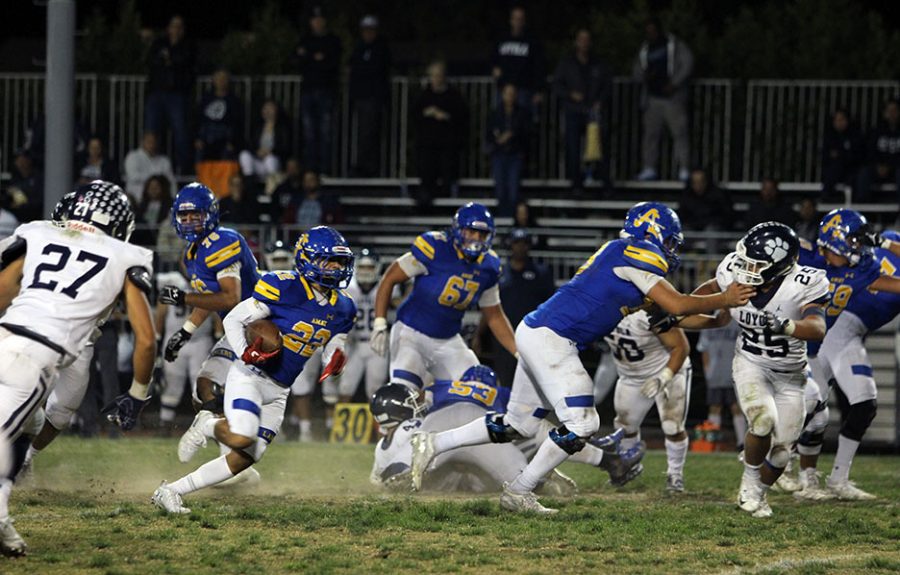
<point>452,272</point>
<point>311,310</point>
<point>623,276</point>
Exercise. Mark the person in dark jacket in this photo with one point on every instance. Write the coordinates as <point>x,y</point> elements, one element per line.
<point>171,60</point>
<point>319,56</point>
<point>518,59</point>
<point>507,142</point>
<point>843,150</point>
<point>221,121</point>
<point>270,144</point>
<point>769,207</point>
<point>440,116</point>
<point>705,207</point>
<point>584,84</point>
<point>882,163</point>
<point>95,164</point>
<point>370,65</point>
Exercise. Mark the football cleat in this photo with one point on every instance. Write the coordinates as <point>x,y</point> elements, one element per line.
<point>558,484</point>
<point>193,439</point>
<point>750,496</point>
<point>11,543</point>
<point>165,498</point>
<point>245,478</point>
<point>674,483</point>
<point>810,489</point>
<point>609,442</point>
<point>847,491</point>
<point>787,484</point>
<point>422,454</point>
<point>624,466</point>
<point>763,510</point>
<point>523,502</point>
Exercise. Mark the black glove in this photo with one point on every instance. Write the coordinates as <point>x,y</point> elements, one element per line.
<point>873,239</point>
<point>662,321</point>
<point>176,342</point>
<point>124,411</point>
<point>778,325</point>
<point>171,295</point>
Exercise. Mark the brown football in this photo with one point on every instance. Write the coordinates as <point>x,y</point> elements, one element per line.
<point>267,330</point>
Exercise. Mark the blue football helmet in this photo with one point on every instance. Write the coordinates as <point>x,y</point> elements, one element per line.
<point>481,373</point>
<point>472,216</point>
<point>658,224</point>
<point>316,249</point>
<point>100,204</point>
<point>195,198</point>
<point>841,231</point>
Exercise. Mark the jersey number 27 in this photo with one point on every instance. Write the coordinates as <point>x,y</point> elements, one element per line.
<point>50,268</point>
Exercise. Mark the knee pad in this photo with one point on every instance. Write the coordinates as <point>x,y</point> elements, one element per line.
<point>778,457</point>
<point>810,442</point>
<point>761,421</point>
<point>567,440</point>
<point>498,430</point>
<point>859,417</point>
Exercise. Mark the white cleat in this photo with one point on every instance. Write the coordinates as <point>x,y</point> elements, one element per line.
<point>11,543</point>
<point>810,489</point>
<point>193,439</point>
<point>558,484</point>
<point>750,496</point>
<point>674,483</point>
<point>787,484</point>
<point>422,454</point>
<point>523,502</point>
<point>165,498</point>
<point>847,491</point>
<point>763,510</point>
<point>245,478</point>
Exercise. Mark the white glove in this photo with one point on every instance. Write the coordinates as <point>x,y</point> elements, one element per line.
<point>656,384</point>
<point>378,341</point>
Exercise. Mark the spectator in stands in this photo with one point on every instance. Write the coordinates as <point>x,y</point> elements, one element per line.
<point>663,66</point>
<point>319,56</point>
<point>440,116</point>
<point>518,59</point>
<point>584,84</point>
<point>289,194</point>
<point>316,207</point>
<point>143,162</point>
<point>153,211</point>
<point>807,226</point>
<point>270,144</point>
<point>171,60</point>
<point>370,66</point>
<point>8,221</point>
<point>507,142</point>
<point>26,189</point>
<point>36,138</point>
<point>96,165</point>
<point>882,162</point>
<point>705,207</point>
<point>524,218</point>
<point>770,206</point>
<point>239,206</point>
<point>524,285</point>
<point>843,150</point>
<point>221,121</point>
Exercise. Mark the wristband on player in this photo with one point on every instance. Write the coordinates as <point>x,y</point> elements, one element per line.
<point>789,327</point>
<point>189,327</point>
<point>666,375</point>
<point>379,324</point>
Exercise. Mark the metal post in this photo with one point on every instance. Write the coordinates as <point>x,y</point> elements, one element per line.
<point>59,100</point>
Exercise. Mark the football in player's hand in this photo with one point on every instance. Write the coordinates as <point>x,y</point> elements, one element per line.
<point>268,331</point>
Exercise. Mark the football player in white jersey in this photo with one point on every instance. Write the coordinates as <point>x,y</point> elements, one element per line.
<point>653,369</point>
<point>53,297</point>
<point>770,356</point>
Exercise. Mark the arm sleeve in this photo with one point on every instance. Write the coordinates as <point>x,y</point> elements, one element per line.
<point>642,279</point>
<point>411,266</point>
<point>242,314</point>
<point>490,297</point>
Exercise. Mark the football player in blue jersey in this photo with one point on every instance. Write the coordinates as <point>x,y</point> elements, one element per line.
<point>862,267</point>
<point>222,272</point>
<point>311,310</point>
<point>453,271</point>
<point>623,276</point>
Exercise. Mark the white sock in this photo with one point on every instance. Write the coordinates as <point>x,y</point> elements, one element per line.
<point>209,427</point>
<point>473,433</point>
<point>547,458</point>
<point>715,418</point>
<point>5,490</point>
<point>592,455</point>
<point>676,452</point>
<point>843,459</point>
<point>210,473</point>
<point>740,429</point>
<point>166,414</point>
<point>629,442</point>
<point>751,473</point>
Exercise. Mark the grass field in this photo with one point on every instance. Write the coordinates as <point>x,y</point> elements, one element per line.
<point>88,511</point>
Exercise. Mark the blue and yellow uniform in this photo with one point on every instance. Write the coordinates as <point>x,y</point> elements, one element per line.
<point>445,393</point>
<point>221,248</point>
<point>453,284</point>
<point>305,324</point>
<point>596,299</point>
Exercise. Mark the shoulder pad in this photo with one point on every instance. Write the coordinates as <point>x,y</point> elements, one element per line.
<point>644,255</point>
<point>140,277</point>
<point>12,252</point>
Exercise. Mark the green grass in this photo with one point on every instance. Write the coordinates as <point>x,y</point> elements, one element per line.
<point>314,512</point>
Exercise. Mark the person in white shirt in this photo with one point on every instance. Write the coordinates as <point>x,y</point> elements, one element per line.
<point>144,162</point>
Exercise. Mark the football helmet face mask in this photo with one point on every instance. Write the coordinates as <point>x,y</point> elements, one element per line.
<point>393,404</point>
<point>472,216</point>
<point>278,256</point>
<point>765,253</point>
<point>323,257</point>
<point>658,224</point>
<point>366,269</point>
<point>100,204</point>
<point>195,212</point>
<point>481,373</point>
<point>841,231</point>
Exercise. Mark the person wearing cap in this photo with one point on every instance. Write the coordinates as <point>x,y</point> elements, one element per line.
<point>319,59</point>
<point>525,283</point>
<point>370,66</point>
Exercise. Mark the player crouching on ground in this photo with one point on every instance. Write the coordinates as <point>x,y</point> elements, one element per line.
<point>311,310</point>
<point>770,358</point>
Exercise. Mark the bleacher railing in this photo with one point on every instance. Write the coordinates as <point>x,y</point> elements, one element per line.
<point>775,129</point>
